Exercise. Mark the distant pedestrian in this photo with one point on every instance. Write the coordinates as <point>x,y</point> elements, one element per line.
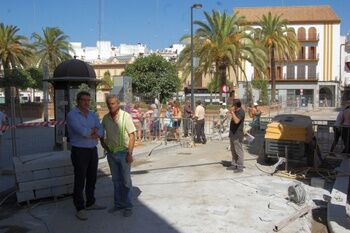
<point>84,129</point>
<point>177,114</point>
<point>155,122</point>
<point>236,136</point>
<point>187,115</point>
<point>255,114</point>
<point>136,118</point>
<point>119,144</point>
<point>199,117</point>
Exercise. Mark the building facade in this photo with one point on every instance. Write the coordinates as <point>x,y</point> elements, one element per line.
<point>312,79</point>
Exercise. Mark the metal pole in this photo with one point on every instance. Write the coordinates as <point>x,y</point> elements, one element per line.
<point>46,94</point>
<point>13,122</point>
<point>340,73</point>
<point>192,78</point>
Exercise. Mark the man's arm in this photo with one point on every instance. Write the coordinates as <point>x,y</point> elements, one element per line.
<point>75,125</point>
<point>235,118</point>
<point>129,157</point>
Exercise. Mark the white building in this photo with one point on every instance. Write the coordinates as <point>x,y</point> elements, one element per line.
<point>104,50</point>
<point>171,53</point>
<point>313,78</point>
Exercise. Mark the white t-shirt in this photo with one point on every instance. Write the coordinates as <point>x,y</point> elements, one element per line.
<point>200,112</point>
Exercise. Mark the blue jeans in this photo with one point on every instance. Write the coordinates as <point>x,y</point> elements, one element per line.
<point>120,170</point>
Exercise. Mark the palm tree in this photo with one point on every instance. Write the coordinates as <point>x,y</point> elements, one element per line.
<point>280,42</point>
<point>225,42</point>
<point>52,48</point>
<point>15,51</point>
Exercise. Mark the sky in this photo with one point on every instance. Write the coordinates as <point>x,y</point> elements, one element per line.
<point>156,23</point>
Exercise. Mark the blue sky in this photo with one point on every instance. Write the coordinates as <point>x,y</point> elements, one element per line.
<point>156,23</point>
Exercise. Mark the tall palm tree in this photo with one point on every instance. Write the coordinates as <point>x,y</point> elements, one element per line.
<point>52,48</point>
<point>280,42</point>
<point>225,42</point>
<point>15,51</point>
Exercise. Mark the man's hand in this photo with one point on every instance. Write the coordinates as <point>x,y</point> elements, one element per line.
<point>94,134</point>
<point>129,158</point>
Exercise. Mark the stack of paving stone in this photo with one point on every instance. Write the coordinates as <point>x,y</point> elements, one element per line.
<point>43,175</point>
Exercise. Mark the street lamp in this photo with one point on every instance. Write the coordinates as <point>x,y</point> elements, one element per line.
<point>194,6</point>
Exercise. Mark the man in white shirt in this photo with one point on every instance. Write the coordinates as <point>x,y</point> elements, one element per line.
<point>199,116</point>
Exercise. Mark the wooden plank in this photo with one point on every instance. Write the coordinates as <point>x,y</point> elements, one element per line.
<point>291,218</point>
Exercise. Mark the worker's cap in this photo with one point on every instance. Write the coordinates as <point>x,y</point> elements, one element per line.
<point>255,104</point>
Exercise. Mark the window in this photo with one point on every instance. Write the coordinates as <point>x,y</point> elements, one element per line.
<point>279,73</point>
<point>312,72</point>
<point>301,72</point>
<point>312,53</point>
<point>312,33</point>
<point>290,72</point>
<point>301,33</point>
<point>302,53</point>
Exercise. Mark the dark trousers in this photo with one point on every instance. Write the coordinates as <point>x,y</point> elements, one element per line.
<point>345,134</point>
<point>186,126</point>
<point>337,134</point>
<point>85,161</point>
<point>200,132</point>
<point>237,152</point>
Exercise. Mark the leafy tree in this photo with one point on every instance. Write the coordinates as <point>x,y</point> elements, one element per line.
<point>262,85</point>
<point>15,51</point>
<point>52,47</point>
<point>36,75</point>
<point>225,42</point>
<point>18,78</point>
<point>153,76</point>
<point>107,81</point>
<point>280,42</point>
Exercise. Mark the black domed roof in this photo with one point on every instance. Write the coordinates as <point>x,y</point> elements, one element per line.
<point>74,68</point>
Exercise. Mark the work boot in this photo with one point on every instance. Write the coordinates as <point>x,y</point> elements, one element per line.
<point>81,215</point>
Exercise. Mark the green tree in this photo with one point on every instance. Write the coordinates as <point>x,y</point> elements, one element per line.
<point>52,47</point>
<point>106,81</point>
<point>153,76</point>
<point>15,50</point>
<point>20,79</point>
<point>280,42</point>
<point>36,75</point>
<point>262,85</point>
<point>225,42</point>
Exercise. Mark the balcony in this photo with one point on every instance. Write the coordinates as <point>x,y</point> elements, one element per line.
<point>310,38</point>
<point>309,58</point>
<point>313,78</point>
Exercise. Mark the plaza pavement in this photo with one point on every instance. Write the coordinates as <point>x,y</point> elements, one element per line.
<point>178,190</point>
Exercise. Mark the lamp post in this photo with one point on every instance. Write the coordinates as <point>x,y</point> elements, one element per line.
<point>194,6</point>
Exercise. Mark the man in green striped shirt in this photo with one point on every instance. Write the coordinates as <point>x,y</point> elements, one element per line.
<point>119,143</point>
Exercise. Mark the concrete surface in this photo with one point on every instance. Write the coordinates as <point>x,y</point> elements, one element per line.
<point>180,190</point>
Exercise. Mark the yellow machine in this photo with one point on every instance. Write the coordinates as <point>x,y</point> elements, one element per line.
<point>292,134</point>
